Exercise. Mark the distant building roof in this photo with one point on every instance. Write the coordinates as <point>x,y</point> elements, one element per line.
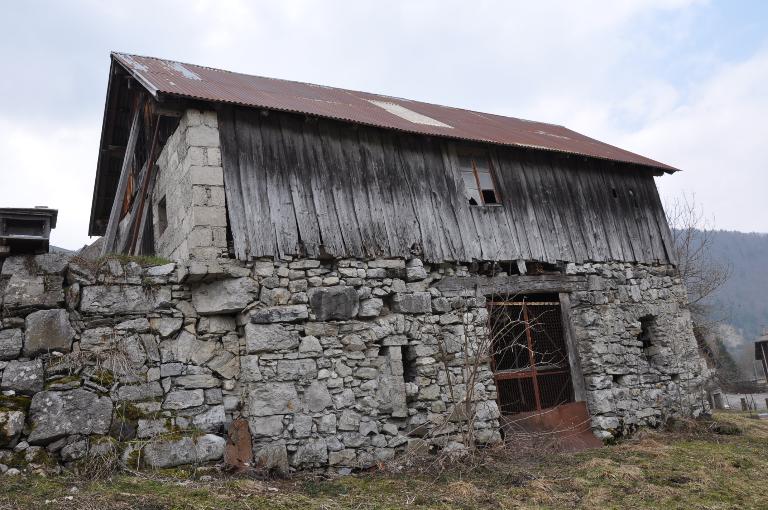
<point>166,77</point>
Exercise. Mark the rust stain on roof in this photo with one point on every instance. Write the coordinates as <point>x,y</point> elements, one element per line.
<point>204,83</point>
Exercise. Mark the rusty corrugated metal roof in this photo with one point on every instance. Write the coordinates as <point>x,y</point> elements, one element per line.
<point>204,83</point>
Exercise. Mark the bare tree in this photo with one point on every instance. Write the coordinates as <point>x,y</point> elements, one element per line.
<point>692,236</point>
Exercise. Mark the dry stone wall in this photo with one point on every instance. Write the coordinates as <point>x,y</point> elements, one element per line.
<point>330,363</point>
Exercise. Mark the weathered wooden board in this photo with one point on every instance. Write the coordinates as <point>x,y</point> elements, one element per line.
<point>299,186</point>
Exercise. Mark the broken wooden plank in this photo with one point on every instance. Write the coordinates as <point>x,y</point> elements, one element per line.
<point>114,215</point>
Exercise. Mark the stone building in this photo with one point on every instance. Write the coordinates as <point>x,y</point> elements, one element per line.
<point>351,276</point>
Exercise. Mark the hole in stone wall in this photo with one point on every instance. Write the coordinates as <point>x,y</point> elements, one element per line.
<point>646,336</point>
<point>409,364</point>
<point>162,216</point>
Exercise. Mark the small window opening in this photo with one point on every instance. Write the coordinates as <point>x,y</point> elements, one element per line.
<point>409,364</point>
<point>162,216</point>
<point>645,337</point>
<point>478,180</point>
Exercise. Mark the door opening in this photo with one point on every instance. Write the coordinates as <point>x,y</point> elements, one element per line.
<point>530,354</point>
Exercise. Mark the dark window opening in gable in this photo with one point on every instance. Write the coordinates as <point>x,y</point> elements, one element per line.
<point>478,180</point>
<point>162,216</point>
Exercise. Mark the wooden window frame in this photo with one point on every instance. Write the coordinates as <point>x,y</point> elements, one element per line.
<point>473,155</point>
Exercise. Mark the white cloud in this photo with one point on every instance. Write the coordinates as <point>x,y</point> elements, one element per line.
<point>718,138</point>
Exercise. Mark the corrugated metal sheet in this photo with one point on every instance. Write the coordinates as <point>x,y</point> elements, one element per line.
<point>204,83</point>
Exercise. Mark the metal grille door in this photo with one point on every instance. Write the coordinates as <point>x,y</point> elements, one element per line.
<point>530,357</point>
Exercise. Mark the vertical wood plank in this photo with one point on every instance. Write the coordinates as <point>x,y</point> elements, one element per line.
<point>341,190</point>
<point>281,210</point>
<point>298,177</point>
<point>122,184</point>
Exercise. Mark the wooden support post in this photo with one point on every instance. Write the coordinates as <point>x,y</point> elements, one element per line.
<point>144,218</point>
<point>114,215</point>
<point>139,222</point>
<point>577,377</point>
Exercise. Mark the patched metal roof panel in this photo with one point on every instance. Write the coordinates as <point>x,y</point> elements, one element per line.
<point>204,83</point>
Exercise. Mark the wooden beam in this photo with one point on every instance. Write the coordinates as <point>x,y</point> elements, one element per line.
<point>122,244</point>
<point>514,284</point>
<point>136,250</point>
<point>150,165</point>
<point>114,216</point>
<point>574,360</point>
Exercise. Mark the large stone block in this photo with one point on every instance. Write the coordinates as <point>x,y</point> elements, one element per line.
<point>269,337</point>
<point>183,399</point>
<point>11,426</point>
<point>136,392</point>
<point>210,420</point>
<point>25,377</point>
<point>334,303</point>
<point>286,313</point>
<point>294,369</point>
<point>55,414</point>
<point>266,399</point>
<point>187,450</point>
<point>187,347</point>
<point>197,381</point>
<point>202,136</point>
<point>124,299</point>
<point>266,426</point>
<point>11,341</point>
<point>317,397</point>
<point>30,265</point>
<point>48,330</point>
<point>166,326</point>
<point>311,452</point>
<point>272,458</point>
<point>224,296</point>
<point>22,291</point>
<point>418,302</point>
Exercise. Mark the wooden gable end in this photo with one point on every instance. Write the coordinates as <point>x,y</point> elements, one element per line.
<point>316,187</point>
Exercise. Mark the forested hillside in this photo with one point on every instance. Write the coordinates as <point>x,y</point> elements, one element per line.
<point>743,300</point>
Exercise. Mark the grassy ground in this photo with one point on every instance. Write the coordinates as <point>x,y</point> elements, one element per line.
<point>695,467</point>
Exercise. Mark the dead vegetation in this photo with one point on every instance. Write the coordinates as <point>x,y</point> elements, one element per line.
<point>717,464</point>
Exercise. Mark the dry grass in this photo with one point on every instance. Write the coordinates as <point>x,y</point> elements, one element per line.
<point>692,466</point>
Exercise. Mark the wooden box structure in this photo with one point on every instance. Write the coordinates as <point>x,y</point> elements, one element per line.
<point>26,230</point>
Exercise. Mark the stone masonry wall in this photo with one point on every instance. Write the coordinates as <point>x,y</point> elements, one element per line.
<point>191,180</point>
<point>628,385</point>
<point>331,363</point>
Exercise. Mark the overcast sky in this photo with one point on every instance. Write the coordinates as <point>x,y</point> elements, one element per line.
<point>681,81</point>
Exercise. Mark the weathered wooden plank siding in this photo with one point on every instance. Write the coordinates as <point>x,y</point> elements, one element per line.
<point>324,188</point>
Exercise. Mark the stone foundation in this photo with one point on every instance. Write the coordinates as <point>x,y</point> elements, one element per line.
<point>335,363</point>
